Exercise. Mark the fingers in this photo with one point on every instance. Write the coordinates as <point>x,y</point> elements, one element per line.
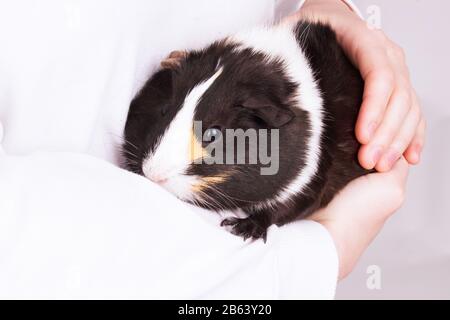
<point>394,184</point>
<point>399,121</point>
<point>413,153</point>
<point>400,171</point>
<point>414,150</point>
<point>400,143</point>
<point>388,122</point>
<point>396,113</point>
<point>377,92</point>
<point>379,79</point>
<point>391,186</point>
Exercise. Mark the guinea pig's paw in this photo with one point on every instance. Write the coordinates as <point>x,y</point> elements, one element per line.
<point>173,60</point>
<point>246,228</point>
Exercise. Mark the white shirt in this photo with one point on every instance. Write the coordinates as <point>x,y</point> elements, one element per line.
<point>74,225</point>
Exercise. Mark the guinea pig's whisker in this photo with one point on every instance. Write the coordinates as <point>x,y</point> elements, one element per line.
<point>201,198</point>
<point>130,153</point>
<point>130,144</point>
<point>123,140</point>
<point>224,196</point>
<point>210,201</point>
<point>132,162</point>
<point>231,198</point>
<point>255,221</point>
<point>196,202</point>
<point>304,35</point>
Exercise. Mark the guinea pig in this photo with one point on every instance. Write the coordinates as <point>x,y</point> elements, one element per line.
<point>288,90</point>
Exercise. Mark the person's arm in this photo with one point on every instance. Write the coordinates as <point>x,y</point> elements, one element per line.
<point>75,227</point>
<point>390,123</point>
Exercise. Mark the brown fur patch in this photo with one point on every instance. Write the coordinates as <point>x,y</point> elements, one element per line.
<point>205,181</point>
<point>196,150</point>
<point>173,60</point>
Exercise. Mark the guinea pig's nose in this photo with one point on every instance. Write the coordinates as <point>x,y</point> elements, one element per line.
<point>157,177</point>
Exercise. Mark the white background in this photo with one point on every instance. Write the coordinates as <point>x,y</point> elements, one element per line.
<point>413,250</point>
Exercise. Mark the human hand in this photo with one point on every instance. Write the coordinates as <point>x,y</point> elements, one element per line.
<point>390,122</point>
<point>357,213</point>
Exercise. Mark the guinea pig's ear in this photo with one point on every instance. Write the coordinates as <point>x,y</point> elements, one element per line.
<point>265,109</point>
<point>173,60</point>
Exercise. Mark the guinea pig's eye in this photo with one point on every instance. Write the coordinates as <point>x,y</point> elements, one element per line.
<point>164,109</point>
<point>212,134</point>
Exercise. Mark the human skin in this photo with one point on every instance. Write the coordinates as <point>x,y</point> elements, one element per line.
<point>390,128</point>
<point>357,214</point>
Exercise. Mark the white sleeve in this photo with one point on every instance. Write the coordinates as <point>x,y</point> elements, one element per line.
<point>74,226</point>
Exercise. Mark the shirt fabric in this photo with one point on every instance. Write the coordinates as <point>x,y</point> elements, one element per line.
<point>73,224</point>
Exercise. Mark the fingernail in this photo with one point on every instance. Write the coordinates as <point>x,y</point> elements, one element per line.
<point>371,129</point>
<point>417,152</point>
<point>418,158</point>
<point>377,152</point>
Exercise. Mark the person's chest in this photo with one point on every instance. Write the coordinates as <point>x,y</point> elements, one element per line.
<point>68,69</point>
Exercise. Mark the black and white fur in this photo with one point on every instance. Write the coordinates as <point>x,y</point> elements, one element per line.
<point>295,78</point>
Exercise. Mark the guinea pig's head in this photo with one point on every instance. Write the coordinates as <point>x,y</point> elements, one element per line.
<point>219,129</point>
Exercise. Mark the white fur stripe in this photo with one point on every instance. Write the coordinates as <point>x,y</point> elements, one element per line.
<point>280,42</point>
<point>171,157</point>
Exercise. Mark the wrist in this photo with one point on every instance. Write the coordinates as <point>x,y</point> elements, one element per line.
<point>351,239</point>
